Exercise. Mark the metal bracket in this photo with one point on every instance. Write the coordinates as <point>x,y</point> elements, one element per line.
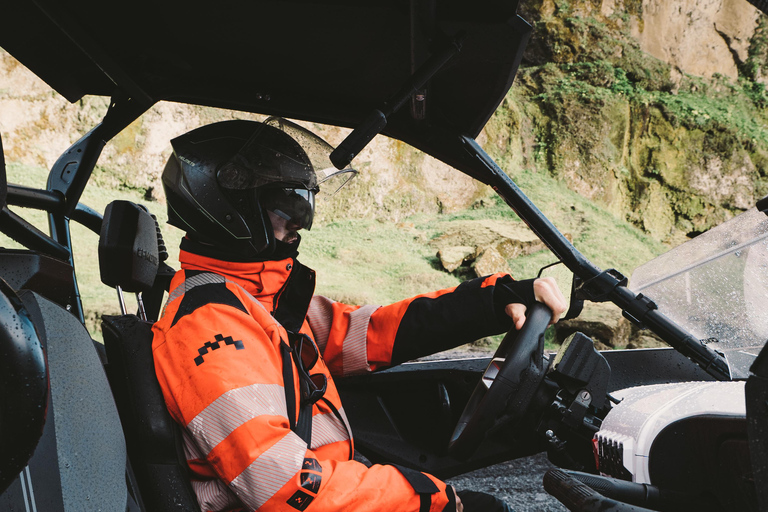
<point>646,305</point>
<point>376,121</point>
<point>599,288</point>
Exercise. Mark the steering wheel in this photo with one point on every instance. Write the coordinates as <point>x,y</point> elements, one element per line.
<point>508,383</point>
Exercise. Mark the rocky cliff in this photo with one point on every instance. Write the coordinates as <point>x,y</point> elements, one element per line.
<point>654,110</point>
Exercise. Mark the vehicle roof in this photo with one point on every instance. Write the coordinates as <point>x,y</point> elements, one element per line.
<point>328,61</point>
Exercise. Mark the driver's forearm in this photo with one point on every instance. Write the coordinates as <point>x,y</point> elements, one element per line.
<point>437,322</point>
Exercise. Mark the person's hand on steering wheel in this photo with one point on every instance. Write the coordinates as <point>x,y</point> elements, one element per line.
<point>545,290</point>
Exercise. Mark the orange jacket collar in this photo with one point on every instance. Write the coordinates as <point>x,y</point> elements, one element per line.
<point>260,278</point>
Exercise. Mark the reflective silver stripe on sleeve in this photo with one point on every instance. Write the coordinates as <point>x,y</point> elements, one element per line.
<point>327,429</point>
<point>215,495</point>
<point>320,316</point>
<point>346,423</point>
<point>192,282</point>
<point>191,451</point>
<point>270,471</point>
<point>355,349</point>
<point>233,409</point>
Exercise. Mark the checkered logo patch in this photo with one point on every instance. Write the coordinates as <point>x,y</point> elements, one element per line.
<point>215,345</point>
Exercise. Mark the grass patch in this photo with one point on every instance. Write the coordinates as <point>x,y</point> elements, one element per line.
<point>370,262</point>
<point>705,104</point>
<point>603,238</point>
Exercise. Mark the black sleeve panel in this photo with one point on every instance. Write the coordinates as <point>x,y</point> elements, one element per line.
<point>215,293</point>
<point>431,325</point>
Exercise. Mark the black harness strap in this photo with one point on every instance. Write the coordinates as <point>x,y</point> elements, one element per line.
<point>338,416</point>
<point>421,484</point>
<point>304,425</point>
<point>290,392</point>
<point>294,303</point>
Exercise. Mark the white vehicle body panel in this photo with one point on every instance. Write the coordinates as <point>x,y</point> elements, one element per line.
<point>645,411</point>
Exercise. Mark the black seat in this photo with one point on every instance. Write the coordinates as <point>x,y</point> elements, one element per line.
<point>49,418</point>
<point>153,439</point>
<point>129,259</point>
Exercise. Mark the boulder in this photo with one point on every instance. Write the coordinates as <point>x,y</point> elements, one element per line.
<point>605,324</point>
<point>599,321</point>
<point>512,248</point>
<point>452,257</point>
<point>490,262</point>
<point>486,244</point>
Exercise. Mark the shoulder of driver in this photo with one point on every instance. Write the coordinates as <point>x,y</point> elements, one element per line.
<point>213,338</point>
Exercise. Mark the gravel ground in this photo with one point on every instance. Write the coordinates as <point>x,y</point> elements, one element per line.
<point>518,482</point>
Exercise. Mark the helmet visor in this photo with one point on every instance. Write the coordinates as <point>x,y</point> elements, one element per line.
<point>268,156</point>
<point>296,206</point>
<point>280,151</point>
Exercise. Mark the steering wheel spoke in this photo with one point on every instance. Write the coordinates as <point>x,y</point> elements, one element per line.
<point>491,372</point>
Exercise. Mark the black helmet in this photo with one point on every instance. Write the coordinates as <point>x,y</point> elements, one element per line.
<point>221,179</point>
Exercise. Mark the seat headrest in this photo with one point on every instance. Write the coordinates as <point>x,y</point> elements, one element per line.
<point>128,250</point>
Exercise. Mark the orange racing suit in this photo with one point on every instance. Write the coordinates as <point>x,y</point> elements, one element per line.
<point>223,362</point>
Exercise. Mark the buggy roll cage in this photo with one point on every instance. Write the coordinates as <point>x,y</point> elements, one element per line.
<point>65,186</point>
<point>450,136</point>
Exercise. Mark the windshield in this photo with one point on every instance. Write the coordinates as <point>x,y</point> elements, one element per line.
<point>716,286</point>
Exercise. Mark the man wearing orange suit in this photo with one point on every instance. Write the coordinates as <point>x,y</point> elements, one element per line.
<point>245,353</point>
